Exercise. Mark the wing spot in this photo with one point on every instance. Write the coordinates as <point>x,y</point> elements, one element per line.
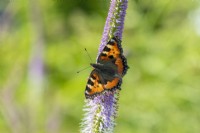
<point>90,82</point>
<point>110,56</point>
<point>106,49</point>
<point>103,54</point>
<point>88,89</point>
<point>93,80</point>
<point>93,77</point>
<point>111,42</point>
<point>110,46</point>
<point>86,92</point>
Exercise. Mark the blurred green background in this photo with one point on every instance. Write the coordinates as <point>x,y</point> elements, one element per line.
<point>42,47</point>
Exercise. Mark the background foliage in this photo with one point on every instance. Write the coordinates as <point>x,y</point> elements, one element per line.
<point>42,46</point>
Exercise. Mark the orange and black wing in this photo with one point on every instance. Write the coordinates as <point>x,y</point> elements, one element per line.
<point>113,52</point>
<point>113,84</point>
<point>96,84</point>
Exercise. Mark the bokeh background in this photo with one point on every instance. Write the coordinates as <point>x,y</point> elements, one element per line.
<point>42,47</point>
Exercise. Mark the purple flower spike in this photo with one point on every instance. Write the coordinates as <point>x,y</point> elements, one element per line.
<point>101,110</point>
<point>100,113</point>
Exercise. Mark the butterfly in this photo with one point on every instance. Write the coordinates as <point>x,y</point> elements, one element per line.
<point>107,74</point>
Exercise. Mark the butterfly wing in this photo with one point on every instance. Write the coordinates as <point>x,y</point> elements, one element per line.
<point>97,84</point>
<point>94,85</point>
<point>113,52</point>
<point>113,84</point>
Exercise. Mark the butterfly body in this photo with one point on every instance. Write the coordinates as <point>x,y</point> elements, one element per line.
<point>106,71</point>
<point>107,74</point>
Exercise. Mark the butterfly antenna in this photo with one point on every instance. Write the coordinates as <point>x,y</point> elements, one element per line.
<point>88,54</point>
<point>82,69</point>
